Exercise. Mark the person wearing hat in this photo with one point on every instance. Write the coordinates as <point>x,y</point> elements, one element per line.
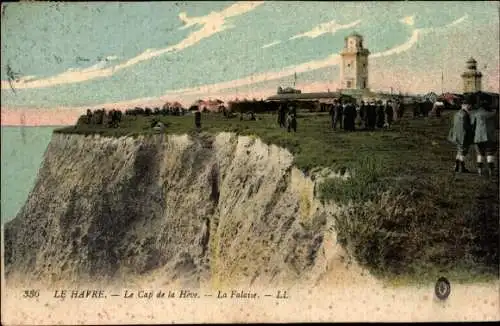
<point>371,115</point>
<point>389,113</point>
<point>291,122</point>
<point>483,122</point>
<point>349,116</point>
<point>337,114</point>
<point>197,119</point>
<point>332,113</point>
<point>281,116</point>
<point>380,114</point>
<point>416,108</point>
<point>461,134</point>
<point>362,114</point>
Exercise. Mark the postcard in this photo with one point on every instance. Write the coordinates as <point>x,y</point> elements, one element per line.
<point>236,162</point>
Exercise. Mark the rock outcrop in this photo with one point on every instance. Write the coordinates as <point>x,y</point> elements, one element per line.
<point>221,209</point>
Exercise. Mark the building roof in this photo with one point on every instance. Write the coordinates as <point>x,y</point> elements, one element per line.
<point>306,96</point>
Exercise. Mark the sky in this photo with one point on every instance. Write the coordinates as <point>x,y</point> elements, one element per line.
<point>58,59</point>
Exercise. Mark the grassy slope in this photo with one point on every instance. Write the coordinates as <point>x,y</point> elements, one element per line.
<point>452,227</point>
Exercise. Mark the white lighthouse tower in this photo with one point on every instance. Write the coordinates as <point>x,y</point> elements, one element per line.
<point>354,66</point>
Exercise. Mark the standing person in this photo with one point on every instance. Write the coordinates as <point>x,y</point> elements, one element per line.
<point>351,116</point>
<point>283,116</point>
<point>416,108</point>
<point>380,115</point>
<point>483,123</point>
<point>427,106</point>
<point>462,134</point>
<point>395,110</point>
<point>362,114</point>
<point>332,113</point>
<point>346,115</point>
<point>293,122</point>
<point>389,114</point>
<point>371,115</point>
<point>289,121</point>
<point>401,109</point>
<point>280,117</point>
<point>358,118</point>
<point>197,119</point>
<point>337,114</point>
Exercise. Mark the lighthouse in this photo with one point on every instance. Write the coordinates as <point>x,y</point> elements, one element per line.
<point>471,77</point>
<point>354,65</point>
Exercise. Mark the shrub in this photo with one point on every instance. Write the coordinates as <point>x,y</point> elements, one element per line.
<point>365,182</point>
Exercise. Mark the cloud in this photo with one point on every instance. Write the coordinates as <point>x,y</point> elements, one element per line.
<point>271,44</point>
<point>262,77</point>
<point>331,60</point>
<point>408,20</point>
<point>211,24</point>
<point>330,27</point>
<point>402,47</point>
<point>458,21</point>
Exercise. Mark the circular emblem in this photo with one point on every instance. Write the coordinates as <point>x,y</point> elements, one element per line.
<point>442,288</point>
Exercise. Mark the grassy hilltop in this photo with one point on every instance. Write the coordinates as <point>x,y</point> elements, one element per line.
<point>413,218</point>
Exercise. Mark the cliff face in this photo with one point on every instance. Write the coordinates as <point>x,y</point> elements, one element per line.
<point>221,209</point>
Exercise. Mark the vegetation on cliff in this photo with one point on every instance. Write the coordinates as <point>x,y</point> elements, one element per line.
<point>409,216</point>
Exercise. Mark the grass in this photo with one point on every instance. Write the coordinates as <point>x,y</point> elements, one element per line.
<point>410,218</point>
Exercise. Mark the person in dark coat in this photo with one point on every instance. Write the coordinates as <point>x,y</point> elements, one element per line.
<point>291,122</point>
<point>282,116</point>
<point>426,107</point>
<point>461,134</point>
<point>380,115</point>
<point>349,117</point>
<point>483,123</point>
<point>389,113</point>
<point>337,114</point>
<point>331,112</point>
<point>371,116</point>
<point>362,113</point>
<point>197,119</point>
<point>294,122</point>
<point>400,109</point>
<point>417,108</point>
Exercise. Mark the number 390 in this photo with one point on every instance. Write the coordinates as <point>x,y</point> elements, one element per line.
<point>31,294</point>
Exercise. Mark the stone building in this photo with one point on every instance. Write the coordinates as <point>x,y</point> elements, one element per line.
<point>471,77</point>
<point>354,66</point>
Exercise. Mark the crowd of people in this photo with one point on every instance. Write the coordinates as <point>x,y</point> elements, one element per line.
<point>370,115</point>
<point>475,125</point>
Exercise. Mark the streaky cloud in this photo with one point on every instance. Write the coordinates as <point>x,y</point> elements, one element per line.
<point>331,60</point>
<point>330,27</point>
<point>213,23</point>
<point>459,20</point>
<point>271,44</point>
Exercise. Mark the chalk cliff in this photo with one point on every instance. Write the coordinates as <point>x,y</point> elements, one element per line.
<point>223,209</point>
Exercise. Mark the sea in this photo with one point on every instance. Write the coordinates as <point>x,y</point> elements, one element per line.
<point>22,155</point>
